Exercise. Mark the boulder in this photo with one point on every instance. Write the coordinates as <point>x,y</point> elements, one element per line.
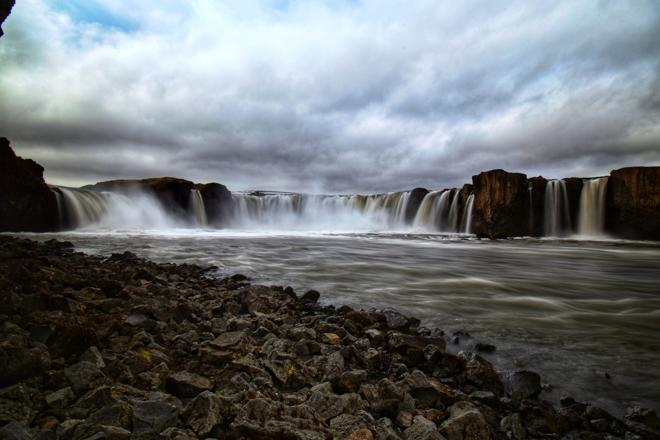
<point>153,416</point>
<point>186,384</point>
<point>466,422</point>
<point>204,412</point>
<point>422,429</point>
<point>26,201</point>
<point>633,203</point>
<point>5,10</point>
<point>501,204</point>
<point>521,385</point>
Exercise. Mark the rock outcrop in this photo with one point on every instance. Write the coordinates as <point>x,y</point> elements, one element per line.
<point>536,190</point>
<point>26,202</point>
<point>633,203</point>
<point>5,10</point>
<point>218,203</point>
<point>501,205</point>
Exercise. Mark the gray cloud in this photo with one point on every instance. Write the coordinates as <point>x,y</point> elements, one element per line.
<point>341,97</point>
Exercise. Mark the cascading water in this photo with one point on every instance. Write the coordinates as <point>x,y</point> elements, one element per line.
<point>556,209</point>
<point>439,211</point>
<point>197,203</point>
<point>320,212</point>
<point>467,214</point>
<point>591,218</point>
<point>109,210</point>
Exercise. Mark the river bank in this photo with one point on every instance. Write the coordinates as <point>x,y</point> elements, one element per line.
<point>118,346</point>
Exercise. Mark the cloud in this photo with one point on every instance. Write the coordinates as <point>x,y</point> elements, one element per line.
<point>337,96</point>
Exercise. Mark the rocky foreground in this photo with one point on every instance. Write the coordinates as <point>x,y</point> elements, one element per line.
<point>119,347</point>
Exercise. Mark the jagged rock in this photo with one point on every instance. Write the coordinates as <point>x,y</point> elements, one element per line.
<point>501,204</point>
<point>60,398</point>
<point>15,431</point>
<point>466,423</point>
<point>310,297</point>
<point>427,392</point>
<point>422,429</point>
<point>26,201</point>
<point>633,203</point>
<point>328,406</point>
<point>186,384</point>
<point>513,427</point>
<point>82,375</point>
<point>522,384</point>
<point>345,425</point>
<point>395,320</point>
<point>481,373</point>
<point>153,416</point>
<point>204,412</point>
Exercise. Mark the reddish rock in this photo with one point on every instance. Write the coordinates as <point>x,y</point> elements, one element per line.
<point>633,203</point>
<point>26,201</point>
<point>501,204</point>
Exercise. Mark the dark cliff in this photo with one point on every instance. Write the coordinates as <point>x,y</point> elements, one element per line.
<point>26,202</point>
<point>633,203</point>
<point>501,204</point>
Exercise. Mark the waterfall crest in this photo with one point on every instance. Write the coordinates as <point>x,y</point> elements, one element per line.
<point>556,210</point>
<point>591,220</point>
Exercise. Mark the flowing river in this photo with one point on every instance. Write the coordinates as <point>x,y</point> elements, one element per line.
<point>584,314</point>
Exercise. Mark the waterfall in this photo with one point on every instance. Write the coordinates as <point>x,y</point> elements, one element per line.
<point>530,191</point>
<point>467,214</point>
<point>591,218</point>
<point>197,202</point>
<point>556,213</point>
<point>109,210</point>
<point>438,211</point>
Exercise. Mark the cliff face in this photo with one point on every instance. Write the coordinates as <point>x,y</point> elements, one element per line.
<point>501,204</point>
<point>536,194</point>
<point>633,203</point>
<point>218,203</point>
<point>5,10</point>
<point>26,202</point>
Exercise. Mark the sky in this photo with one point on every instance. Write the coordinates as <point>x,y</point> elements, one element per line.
<point>330,96</point>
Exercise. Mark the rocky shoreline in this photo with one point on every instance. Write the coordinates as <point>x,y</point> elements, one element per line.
<point>117,347</point>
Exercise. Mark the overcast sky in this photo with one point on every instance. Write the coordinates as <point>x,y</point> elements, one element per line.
<point>330,96</point>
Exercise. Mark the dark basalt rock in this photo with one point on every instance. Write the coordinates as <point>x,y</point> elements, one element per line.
<point>633,203</point>
<point>26,202</point>
<point>536,188</point>
<point>501,205</point>
<point>5,10</point>
<point>218,203</point>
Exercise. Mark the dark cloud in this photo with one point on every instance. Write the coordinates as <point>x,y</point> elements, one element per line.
<point>341,96</point>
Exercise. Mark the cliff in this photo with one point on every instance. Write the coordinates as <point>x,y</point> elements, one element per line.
<point>501,204</point>
<point>26,202</point>
<point>633,203</point>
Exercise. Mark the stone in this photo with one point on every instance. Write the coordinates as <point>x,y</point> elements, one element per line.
<point>82,375</point>
<point>60,398</point>
<point>204,412</point>
<point>350,381</point>
<point>466,423</point>
<point>513,427</point>
<point>153,417</point>
<point>230,341</point>
<point>481,373</point>
<point>331,338</point>
<point>521,385</point>
<point>501,204</point>
<point>633,203</point>
<point>15,431</point>
<point>18,362</point>
<point>361,434</point>
<point>186,384</point>
<point>422,429</point>
<point>395,320</point>
<point>327,406</point>
<point>310,297</point>
<point>345,425</point>
<point>94,356</point>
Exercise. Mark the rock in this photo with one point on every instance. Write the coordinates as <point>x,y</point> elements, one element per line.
<point>186,384</point>
<point>327,406</point>
<point>350,381</point>
<point>427,392</point>
<point>345,425</point>
<point>395,320</point>
<point>18,362</point>
<point>82,375</point>
<point>204,413</point>
<point>501,204</point>
<point>26,201</point>
<point>218,203</point>
<point>361,434</point>
<point>61,398</point>
<point>643,415</point>
<point>481,373</point>
<point>422,429</point>
<point>466,423</point>
<point>521,385</point>
<point>310,297</point>
<point>94,356</point>
<point>331,338</point>
<point>633,203</point>
<point>177,434</point>
<point>15,431</point>
<point>153,416</point>
<point>513,427</point>
<point>230,341</point>
<point>141,321</point>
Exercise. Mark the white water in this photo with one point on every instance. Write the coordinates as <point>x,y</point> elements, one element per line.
<point>592,207</point>
<point>556,209</point>
<point>467,214</point>
<point>198,208</point>
<point>303,212</point>
<point>87,209</point>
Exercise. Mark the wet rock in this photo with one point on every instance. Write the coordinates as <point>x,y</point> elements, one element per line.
<point>310,297</point>
<point>395,320</point>
<point>466,423</point>
<point>643,415</point>
<point>186,384</point>
<point>481,373</point>
<point>422,429</point>
<point>513,427</point>
<point>204,413</point>
<point>522,384</point>
<point>153,416</point>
